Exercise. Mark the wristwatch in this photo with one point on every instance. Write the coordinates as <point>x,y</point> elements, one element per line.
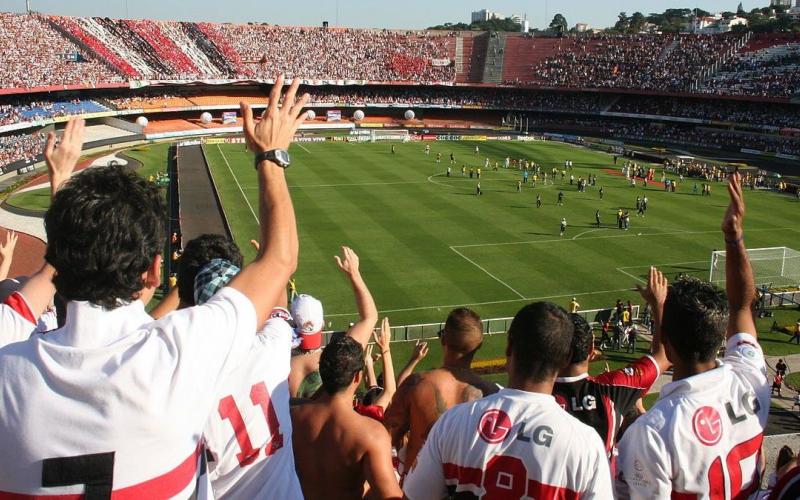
<point>277,156</point>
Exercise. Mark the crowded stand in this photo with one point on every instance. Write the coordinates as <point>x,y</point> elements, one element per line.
<point>648,62</point>
<point>33,54</point>
<point>20,147</point>
<point>772,71</point>
<point>29,111</point>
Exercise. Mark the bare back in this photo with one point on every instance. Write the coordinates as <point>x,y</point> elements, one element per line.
<point>337,451</point>
<point>424,397</point>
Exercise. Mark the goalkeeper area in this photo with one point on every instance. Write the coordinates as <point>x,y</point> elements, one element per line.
<point>777,267</point>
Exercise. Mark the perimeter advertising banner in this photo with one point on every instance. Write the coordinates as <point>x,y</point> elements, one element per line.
<point>334,115</point>
<point>228,117</point>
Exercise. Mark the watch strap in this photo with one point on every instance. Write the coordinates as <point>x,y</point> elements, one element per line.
<point>268,156</point>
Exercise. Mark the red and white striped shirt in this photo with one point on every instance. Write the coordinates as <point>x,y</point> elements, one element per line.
<point>511,444</point>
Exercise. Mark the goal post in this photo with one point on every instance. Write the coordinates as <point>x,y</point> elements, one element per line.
<point>389,135</point>
<point>776,266</point>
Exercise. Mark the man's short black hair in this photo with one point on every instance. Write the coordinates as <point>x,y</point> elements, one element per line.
<point>197,253</point>
<point>104,229</point>
<point>341,359</point>
<point>540,340</point>
<point>582,339</point>
<point>695,319</point>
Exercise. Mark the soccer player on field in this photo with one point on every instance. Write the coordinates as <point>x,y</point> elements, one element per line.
<point>702,438</point>
<point>393,149</point>
<point>597,217</point>
<point>560,197</point>
<point>427,149</point>
<point>519,185</point>
<point>438,157</point>
<point>563,226</point>
<point>538,200</point>
<point>518,442</point>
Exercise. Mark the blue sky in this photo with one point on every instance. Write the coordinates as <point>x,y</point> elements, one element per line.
<point>366,13</point>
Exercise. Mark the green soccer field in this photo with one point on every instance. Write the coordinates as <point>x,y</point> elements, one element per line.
<point>427,243</point>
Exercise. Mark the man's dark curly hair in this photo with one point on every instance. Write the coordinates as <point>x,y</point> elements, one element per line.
<point>695,319</point>
<point>582,339</point>
<point>341,359</point>
<point>104,229</point>
<point>199,252</point>
<point>540,340</point>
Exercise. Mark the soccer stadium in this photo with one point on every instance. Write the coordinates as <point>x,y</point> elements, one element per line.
<point>465,253</point>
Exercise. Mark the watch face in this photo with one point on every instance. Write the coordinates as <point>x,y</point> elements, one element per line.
<point>282,156</point>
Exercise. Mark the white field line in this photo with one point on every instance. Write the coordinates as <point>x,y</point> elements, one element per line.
<point>346,184</point>
<point>666,264</point>
<point>487,272</point>
<point>632,276</point>
<point>589,231</point>
<point>239,185</point>
<point>524,299</point>
<point>627,235</point>
<point>299,145</point>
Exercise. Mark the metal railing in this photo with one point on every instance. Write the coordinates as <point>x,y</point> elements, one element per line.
<point>492,326</point>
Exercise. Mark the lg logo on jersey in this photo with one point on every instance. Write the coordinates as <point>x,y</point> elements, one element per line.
<point>495,425</point>
<point>707,422</point>
<point>588,402</point>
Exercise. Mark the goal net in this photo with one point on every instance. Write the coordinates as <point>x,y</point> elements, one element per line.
<point>777,267</point>
<point>389,135</point>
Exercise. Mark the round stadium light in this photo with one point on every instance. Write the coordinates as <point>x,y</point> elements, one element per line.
<point>358,115</point>
<point>206,117</point>
<point>310,115</point>
<point>142,121</point>
<point>410,114</point>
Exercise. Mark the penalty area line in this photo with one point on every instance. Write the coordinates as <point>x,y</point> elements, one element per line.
<point>488,273</point>
<point>524,299</point>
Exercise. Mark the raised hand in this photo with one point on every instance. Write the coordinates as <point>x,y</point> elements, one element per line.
<point>277,126</point>
<point>734,215</point>
<point>348,263</point>
<point>62,158</point>
<point>655,293</point>
<point>383,336</point>
<point>368,355</point>
<point>7,248</point>
<point>420,351</point>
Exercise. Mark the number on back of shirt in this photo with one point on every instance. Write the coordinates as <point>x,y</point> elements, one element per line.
<point>259,396</point>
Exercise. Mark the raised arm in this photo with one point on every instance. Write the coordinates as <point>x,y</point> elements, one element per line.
<point>263,280</point>
<point>382,340</point>
<point>739,282</point>
<point>378,469</point>
<point>420,351</point>
<point>362,330</point>
<point>168,304</point>
<point>62,158</point>
<point>370,380</point>
<point>7,254</point>
<point>656,294</point>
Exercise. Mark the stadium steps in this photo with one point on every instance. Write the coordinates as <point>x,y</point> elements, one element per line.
<point>669,49</point>
<point>495,55</point>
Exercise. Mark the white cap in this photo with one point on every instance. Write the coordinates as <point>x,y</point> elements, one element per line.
<point>309,321</point>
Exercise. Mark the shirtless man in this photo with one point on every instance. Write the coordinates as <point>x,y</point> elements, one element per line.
<point>304,379</point>
<point>423,397</point>
<point>338,450</point>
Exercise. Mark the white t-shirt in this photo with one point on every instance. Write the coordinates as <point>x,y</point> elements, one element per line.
<point>509,445</point>
<point>249,433</point>
<point>702,438</point>
<point>17,322</point>
<point>117,398</point>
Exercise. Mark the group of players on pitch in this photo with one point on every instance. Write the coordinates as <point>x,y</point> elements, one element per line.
<point>115,403</point>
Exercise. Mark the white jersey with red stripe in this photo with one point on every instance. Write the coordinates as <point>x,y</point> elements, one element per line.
<point>511,444</point>
<point>17,321</point>
<point>115,402</point>
<point>702,438</point>
<point>249,433</point>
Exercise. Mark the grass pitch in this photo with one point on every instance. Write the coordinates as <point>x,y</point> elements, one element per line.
<point>428,243</point>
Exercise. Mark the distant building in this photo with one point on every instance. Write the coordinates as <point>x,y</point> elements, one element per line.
<point>780,3</point>
<point>486,15</point>
<point>581,27</point>
<point>723,25</point>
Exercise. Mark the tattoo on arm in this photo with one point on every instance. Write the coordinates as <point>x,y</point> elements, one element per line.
<point>441,406</point>
<point>471,393</point>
